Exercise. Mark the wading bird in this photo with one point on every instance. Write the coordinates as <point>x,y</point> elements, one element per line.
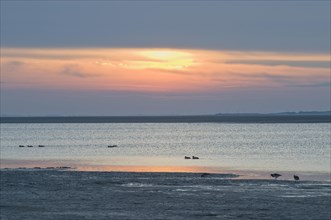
<point>275,175</point>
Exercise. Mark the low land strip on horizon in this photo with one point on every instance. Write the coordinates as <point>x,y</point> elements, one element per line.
<point>226,118</point>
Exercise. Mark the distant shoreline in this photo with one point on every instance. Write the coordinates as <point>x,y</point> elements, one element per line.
<point>236,118</point>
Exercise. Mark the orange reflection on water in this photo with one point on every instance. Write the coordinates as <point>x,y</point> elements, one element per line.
<point>76,166</point>
<point>181,169</point>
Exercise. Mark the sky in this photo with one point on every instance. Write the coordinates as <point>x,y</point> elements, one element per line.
<point>100,58</point>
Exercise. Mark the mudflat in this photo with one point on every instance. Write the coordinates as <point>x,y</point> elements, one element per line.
<point>58,194</point>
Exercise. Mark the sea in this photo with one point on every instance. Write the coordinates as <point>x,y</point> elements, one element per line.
<point>75,175</point>
<point>251,150</point>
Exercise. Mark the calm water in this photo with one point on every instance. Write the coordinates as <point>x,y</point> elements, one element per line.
<point>255,147</point>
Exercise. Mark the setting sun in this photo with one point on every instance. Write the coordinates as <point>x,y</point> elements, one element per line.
<point>166,59</point>
<point>165,109</point>
<point>149,69</point>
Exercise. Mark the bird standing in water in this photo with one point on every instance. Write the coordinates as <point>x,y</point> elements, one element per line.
<point>275,175</point>
<point>296,178</point>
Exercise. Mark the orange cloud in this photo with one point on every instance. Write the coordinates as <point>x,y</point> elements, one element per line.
<point>156,69</point>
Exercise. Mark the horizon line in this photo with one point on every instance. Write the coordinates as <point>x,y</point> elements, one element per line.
<point>327,112</point>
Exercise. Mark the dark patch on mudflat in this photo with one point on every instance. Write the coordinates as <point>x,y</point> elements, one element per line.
<point>176,119</point>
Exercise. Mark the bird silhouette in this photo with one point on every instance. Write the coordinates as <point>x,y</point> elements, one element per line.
<point>275,175</point>
<point>296,178</point>
<point>112,146</point>
<point>205,174</point>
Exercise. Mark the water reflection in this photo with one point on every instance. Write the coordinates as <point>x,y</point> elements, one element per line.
<point>78,166</point>
<point>190,169</point>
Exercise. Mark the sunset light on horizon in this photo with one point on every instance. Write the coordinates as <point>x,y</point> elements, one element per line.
<point>165,109</point>
<point>164,58</point>
<point>158,69</point>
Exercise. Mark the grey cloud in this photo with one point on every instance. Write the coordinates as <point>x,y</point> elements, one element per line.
<point>15,63</point>
<point>12,65</point>
<point>45,56</point>
<point>258,75</point>
<point>255,75</point>
<point>321,84</point>
<point>289,81</point>
<point>264,76</point>
<point>73,70</point>
<point>320,64</point>
<point>173,71</point>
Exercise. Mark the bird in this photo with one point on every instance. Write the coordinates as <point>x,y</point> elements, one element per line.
<point>41,145</point>
<point>30,146</point>
<point>296,178</point>
<point>21,145</point>
<point>205,174</point>
<point>193,157</point>
<point>275,175</point>
<point>186,157</point>
<point>111,146</point>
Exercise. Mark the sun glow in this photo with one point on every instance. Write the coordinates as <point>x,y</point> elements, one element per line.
<point>166,59</point>
<point>158,70</point>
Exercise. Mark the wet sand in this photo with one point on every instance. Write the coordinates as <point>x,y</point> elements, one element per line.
<point>71,165</point>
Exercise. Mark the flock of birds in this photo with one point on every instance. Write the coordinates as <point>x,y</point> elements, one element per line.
<point>109,146</point>
<point>31,145</point>
<point>193,157</point>
<point>276,175</point>
<point>112,146</point>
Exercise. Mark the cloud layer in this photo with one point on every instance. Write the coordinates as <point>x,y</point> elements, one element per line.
<point>157,69</point>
